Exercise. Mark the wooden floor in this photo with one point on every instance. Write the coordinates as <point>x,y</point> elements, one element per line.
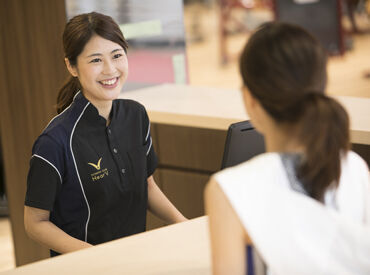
<point>346,75</point>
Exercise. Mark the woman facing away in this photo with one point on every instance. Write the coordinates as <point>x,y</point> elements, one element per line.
<point>91,171</point>
<point>305,204</point>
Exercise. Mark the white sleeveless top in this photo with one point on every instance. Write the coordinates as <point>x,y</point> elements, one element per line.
<point>296,234</point>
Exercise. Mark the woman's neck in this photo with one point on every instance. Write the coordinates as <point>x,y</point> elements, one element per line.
<point>281,139</point>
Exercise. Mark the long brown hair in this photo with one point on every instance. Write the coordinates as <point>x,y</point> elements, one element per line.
<point>77,33</point>
<point>284,67</point>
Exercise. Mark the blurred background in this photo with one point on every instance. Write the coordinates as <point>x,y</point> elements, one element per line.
<point>198,42</point>
<point>213,57</point>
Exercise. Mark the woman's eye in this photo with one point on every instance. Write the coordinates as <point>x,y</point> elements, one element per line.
<point>95,60</point>
<point>118,55</point>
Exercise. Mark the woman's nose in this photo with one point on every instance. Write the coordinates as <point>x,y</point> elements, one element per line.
<point>109,67</point>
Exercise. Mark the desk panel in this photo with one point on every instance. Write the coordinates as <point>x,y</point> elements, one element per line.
<point>186,190</point>
<point>189,148</point>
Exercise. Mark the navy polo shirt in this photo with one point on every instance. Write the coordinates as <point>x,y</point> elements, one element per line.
<point>92,177</point>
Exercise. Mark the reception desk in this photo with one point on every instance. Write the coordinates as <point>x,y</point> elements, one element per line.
<point>178,249</point>
<point>214,108</point>
<point>189,127</point>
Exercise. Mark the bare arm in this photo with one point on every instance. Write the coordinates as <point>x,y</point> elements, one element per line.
<point>228,237</point>
<point>40,229</point>
<point>160,205</point>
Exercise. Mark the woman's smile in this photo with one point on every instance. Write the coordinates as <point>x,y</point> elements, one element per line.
<point>109,83</point>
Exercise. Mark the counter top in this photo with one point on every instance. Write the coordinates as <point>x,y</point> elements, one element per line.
<point>178,249</point>
<point>191,106</point>
<point>213,108</point>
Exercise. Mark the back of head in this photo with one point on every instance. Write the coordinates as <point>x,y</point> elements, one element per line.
<point>284,68</point>
<point>77,33</point>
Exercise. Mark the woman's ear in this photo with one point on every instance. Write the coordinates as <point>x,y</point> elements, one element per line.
<point>254,109</point>
<point>72,69</point>
<point>249,101</point>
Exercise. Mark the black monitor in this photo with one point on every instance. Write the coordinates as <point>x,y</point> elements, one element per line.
<point>242,143</point>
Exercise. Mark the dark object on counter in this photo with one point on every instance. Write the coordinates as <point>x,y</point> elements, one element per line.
<point>243,142</point>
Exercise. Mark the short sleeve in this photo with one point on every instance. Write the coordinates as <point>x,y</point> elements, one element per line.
<point>43,183</point>
<point>44,178</point>
<point>151,156</point>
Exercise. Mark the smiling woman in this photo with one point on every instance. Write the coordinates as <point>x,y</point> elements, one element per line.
<point>90,179</point>
<point>84,39</point>
<point>102,70</point>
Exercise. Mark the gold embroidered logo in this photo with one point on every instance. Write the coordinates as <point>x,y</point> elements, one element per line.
<point>96,166</point>
<point>100,173</point>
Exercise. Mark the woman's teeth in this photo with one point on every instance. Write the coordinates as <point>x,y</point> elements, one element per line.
<point>109,82</point>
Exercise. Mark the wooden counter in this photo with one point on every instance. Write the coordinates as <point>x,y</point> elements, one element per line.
<point>190,106</point>
<point>213,108</point>
<point>178,249</point>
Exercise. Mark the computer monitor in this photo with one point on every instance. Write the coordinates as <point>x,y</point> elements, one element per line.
<point>242,143</point>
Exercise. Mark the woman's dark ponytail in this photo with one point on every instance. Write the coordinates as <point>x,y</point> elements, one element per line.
<point>67,92</point>
<point>323,130</point>
<point>284,68</point>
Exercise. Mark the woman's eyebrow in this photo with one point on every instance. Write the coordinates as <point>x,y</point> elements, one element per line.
<point>94,54</point>
<point>116,50</point>
<point>99,54</point>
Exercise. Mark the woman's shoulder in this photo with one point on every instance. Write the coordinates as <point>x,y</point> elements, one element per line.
<point>262,168</point>
<point>49,143</point>
<point>61,125</point>
<point>56,133</point>
<point>354,171</point>
<point>352,161</point>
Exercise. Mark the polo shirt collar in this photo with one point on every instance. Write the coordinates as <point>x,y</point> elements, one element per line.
<point>91,113</point>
